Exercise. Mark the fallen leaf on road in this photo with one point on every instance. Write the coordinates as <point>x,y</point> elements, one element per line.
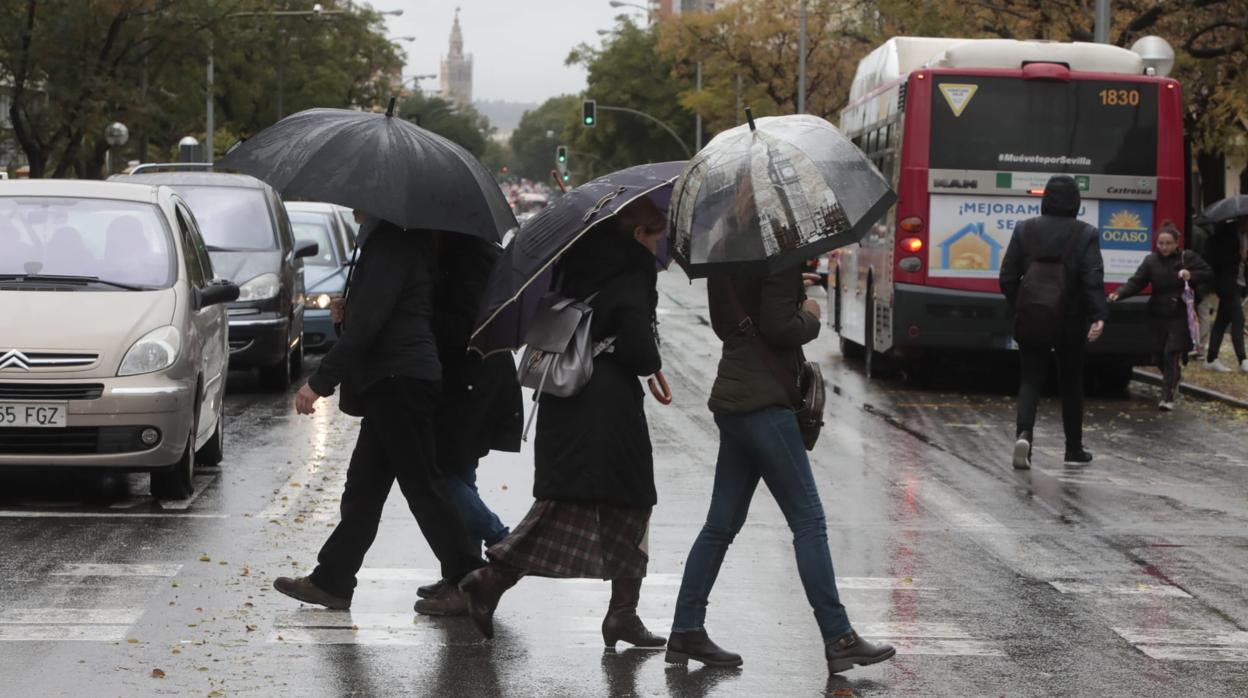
<point>251,628</point>
<point>246,571</point>
<point>215,694</point>
<point>843,692</point>
<point>132,640</point>
<point>176,650</point>
<point>158,674</point>
<point>205,558</point>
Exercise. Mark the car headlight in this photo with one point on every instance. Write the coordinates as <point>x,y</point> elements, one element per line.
<point>155,351</point>
<point>261,288</point>
<point>323,300</point>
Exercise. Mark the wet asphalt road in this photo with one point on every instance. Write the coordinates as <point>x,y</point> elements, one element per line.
<point>1122,578</point>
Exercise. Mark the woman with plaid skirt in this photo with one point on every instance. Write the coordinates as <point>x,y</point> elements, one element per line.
<point>594,480</point>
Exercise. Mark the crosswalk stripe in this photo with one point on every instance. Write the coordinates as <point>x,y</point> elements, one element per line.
<point>1138,589</point>
<point>1175,644</point>
<point>70,616</point>
<point>117,570</point>
<point>62,633</point>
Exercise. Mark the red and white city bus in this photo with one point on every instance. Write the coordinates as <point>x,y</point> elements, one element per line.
<point>968,132</point>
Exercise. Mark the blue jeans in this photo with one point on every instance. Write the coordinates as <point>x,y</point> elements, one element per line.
<point>483,524</point>
<point>765,444</point>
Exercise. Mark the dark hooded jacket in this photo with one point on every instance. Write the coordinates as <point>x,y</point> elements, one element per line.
<point>594,447</point>
<point>1222,254</point>
<point>1055,230</point>
<point>480,409</point>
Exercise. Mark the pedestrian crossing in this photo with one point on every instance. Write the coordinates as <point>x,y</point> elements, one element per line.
<point>94,602</point>
<point>105,602</point>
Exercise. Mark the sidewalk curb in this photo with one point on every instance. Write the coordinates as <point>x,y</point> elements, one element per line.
<point>1195,391</point>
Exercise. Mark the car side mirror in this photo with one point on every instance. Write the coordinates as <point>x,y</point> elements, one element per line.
<point>306,248</point>
<point>219,291</point>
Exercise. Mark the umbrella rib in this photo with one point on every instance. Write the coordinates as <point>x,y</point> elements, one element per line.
<point>519,292</point>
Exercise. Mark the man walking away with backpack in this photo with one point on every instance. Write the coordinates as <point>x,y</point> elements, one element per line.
<point>1053,278</point>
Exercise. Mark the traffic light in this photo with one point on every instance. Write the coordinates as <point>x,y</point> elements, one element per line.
<point>566,176</point>
<point>561,155</point>
<point>589,112</point>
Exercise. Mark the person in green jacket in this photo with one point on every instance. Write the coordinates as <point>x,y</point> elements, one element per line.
<point>763,323</point>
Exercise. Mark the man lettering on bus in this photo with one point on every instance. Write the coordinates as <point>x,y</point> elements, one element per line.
<point>1060,308</point>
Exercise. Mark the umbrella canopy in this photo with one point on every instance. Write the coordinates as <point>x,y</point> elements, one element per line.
<point>1225,210</point>
<point>525,271</point>
<point>770,194</point>
<point>380,164</point>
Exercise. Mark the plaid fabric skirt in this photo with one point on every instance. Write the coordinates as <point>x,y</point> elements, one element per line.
<point>566,539</point>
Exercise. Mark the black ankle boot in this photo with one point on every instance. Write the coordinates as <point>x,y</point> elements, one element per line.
<point>681,647</point>
<point>847,650</point>
<point>621,622</point>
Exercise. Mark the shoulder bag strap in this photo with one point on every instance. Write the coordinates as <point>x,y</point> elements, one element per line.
<point>746,326</point>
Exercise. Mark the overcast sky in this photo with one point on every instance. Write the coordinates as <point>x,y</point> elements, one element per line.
<point>518,46</point>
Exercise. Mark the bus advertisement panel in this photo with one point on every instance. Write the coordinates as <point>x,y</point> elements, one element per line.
<point>969,234</point>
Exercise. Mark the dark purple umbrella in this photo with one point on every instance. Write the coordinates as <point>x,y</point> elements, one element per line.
<point>523,274</point>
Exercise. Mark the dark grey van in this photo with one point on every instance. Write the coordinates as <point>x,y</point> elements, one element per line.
<point>250,240</point>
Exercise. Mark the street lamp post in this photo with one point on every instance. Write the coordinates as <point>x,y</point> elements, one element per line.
<point>801,60</point>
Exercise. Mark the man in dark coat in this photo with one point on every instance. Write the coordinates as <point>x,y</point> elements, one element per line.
<point>1050,236</point>
<point>1227,253</point>
<point>480,409</point>
<point>386,358</point>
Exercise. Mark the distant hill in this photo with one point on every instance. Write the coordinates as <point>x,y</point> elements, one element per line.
<point>504,116</point>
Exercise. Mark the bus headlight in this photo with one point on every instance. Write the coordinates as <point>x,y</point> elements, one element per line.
<point>323,300</point>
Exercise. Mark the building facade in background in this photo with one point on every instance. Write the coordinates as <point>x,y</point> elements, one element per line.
<point>456,77</point>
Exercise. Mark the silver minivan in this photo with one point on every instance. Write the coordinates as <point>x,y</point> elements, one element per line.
<point>113,332</point>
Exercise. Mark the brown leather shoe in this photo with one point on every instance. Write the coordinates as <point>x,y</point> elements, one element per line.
<point>483,588</point>
<point>849,649</point>
<point>450,602</point>
<point>696,645</point>
<point>304,590</point>
<point>622,622</point>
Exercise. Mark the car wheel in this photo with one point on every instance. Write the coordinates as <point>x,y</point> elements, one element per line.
<point>277,376</point>
<point>213,452</point>
<point>178,481</point>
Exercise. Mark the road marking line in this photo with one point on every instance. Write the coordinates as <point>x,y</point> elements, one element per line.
<point>904,629</point>
<point>70,616</point>
<point>131,503</point>
<point>1162,636</point>
<point>201,483</point>
<point>1140,589</point>
<point>883,583</point>
<point>59,633</point>
<point>17,514</point>
<point>944,647</point>
<point>167,569</point>
<point>1195,654</point>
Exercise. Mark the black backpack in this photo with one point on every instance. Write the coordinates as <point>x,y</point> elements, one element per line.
<point>1040,306</point>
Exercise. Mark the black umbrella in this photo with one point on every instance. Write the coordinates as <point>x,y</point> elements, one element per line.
<point>524,273</point>
<point>380,164</point>
<point>1225,210</point>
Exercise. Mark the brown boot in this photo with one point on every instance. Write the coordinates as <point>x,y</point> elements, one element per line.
<point>449,601</point>
<point>847,650</point>
<point>621,622</point>
<point>304,590</point>
<point>483,588</point>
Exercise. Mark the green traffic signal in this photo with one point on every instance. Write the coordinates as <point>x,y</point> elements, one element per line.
<point>589,112</point>
<point>561,154</point>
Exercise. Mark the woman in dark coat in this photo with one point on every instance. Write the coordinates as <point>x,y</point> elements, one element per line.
<point>594,481</point>
<point>1167,270</point>
<point>1227,254</point>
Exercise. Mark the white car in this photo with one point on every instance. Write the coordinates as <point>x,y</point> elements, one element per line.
<point>113,332</point>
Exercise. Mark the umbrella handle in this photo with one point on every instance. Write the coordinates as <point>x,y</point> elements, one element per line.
<point>659,388</point>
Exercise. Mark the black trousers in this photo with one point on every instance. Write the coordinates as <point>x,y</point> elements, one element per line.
<point>1230,315</point>
<point>1034,367</point>
<point>396,442</point>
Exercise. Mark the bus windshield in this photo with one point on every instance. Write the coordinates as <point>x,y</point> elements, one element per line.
<point>1014,125</point>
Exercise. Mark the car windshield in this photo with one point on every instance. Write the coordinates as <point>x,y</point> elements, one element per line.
<point>231,218</point>
<point>114,242</point>
<point>315,227</point>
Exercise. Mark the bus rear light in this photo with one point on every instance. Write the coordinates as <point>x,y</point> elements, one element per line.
<point>1039,191</point>
<point>912,225</point>
<point>912,244</point>
<point>910,264</point>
